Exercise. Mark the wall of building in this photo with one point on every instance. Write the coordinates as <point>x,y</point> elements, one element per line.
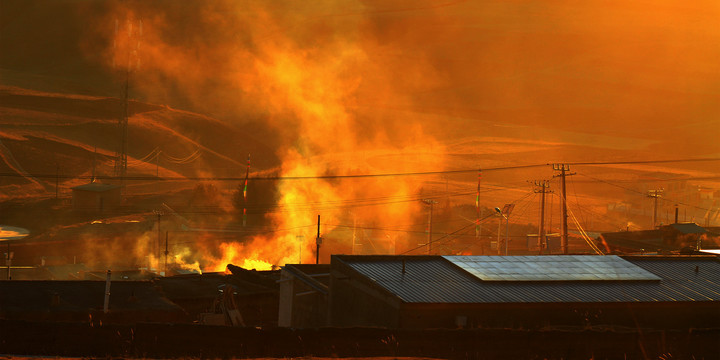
<point>353,302</point>
<point>552,315</point>
<point>301,306</point>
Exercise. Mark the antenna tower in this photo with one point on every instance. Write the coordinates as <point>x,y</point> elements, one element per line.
<point>133,62</point>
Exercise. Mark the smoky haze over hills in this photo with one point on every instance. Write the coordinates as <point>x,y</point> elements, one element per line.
<point>361,87</point>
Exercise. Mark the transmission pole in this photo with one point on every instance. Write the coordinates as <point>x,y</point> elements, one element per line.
<point>563,169</point>
<point>478,229</point>
<point>155,250</point>
<point>544,186</point>
<point>655,194</point>
<point>133,61</point>
<point>318,242</point>
<point>430,214</point>
<point>166,252</point>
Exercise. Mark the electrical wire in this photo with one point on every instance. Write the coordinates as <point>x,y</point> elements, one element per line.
<point>151,156</point>
<point>355,176</point>
<point>188,159</point>
<point>584,235</point>
<point>471,225</point>
<point>642,193</point>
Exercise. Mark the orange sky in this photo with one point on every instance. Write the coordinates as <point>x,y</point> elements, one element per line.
<point>378,86</point>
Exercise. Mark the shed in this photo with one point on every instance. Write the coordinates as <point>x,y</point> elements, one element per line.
<point>255,293</point>
<point>529,292</point>
<point>304,294</point>
<point>96,197</point>
<point>673,237</point>
<point>82,301</point>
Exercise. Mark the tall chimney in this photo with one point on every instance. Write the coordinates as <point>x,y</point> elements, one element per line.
<point>107,293</point>
<point>676,213</point>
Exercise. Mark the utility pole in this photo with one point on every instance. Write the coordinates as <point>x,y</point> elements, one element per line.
<point>499,247</point>
<point>155,250</point>
<point>245,191</point>
<point>318,242</point>
<point>478,229</point>
<point>563,168</point>
<point>430,213</point>
<point>166,251</point>
<point>655,194</point>
<point>505,213</point>
<point>544,185</point>
<point>120,168</point>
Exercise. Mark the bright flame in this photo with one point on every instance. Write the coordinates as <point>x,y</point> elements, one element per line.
<point>251,264</point>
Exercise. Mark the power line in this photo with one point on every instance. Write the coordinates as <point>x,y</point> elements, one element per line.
<point>642,193</point>
<point>634,162</point>
<point>446,237</point>
<point>353,176</point>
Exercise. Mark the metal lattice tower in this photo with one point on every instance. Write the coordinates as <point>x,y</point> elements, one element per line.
<point>133,62</point>
<point>121,154</point>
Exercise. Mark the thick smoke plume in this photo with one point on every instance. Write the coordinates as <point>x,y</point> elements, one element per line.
<point>300,70</point>
<point>336,87</point>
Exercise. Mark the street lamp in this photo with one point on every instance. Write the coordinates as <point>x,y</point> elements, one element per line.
<point>507,230</point>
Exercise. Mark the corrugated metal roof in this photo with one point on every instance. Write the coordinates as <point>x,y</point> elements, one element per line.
<point>551,268</point>
<point>433,279</point>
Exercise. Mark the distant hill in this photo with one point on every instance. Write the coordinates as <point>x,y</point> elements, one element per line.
<point>41,131</point>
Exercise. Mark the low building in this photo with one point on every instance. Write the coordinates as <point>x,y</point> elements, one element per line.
<point>96,197</point>
<point>206,297</point>
<point>83,301</point>
<point>527,292</point>
<point>304,295</point>
<point>669,238</point>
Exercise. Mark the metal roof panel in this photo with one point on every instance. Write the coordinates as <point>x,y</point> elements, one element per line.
<point>429,279</point>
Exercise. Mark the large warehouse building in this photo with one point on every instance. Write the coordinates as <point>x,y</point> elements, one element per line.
<point>530,292</point>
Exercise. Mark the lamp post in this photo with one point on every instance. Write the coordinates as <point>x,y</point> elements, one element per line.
<point>507,229</point>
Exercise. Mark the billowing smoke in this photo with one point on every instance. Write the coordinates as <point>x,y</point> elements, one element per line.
<point>300,70</point>
<point>372,87</point>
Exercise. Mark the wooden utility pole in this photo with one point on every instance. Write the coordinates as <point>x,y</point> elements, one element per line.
<point>544,186</point>
<point>430,214</point>
<point>564,169</point>
<point>478,229</point>
<point>318,241</point>
<point>166,251</point>
<point>155,250</point>
<point>655,194</point>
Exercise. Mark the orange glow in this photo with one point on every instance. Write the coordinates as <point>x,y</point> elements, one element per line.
<point>309,94</point>
<point>384,89</point>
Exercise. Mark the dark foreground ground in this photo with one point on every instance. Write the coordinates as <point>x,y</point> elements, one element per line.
<point>194,341</point>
